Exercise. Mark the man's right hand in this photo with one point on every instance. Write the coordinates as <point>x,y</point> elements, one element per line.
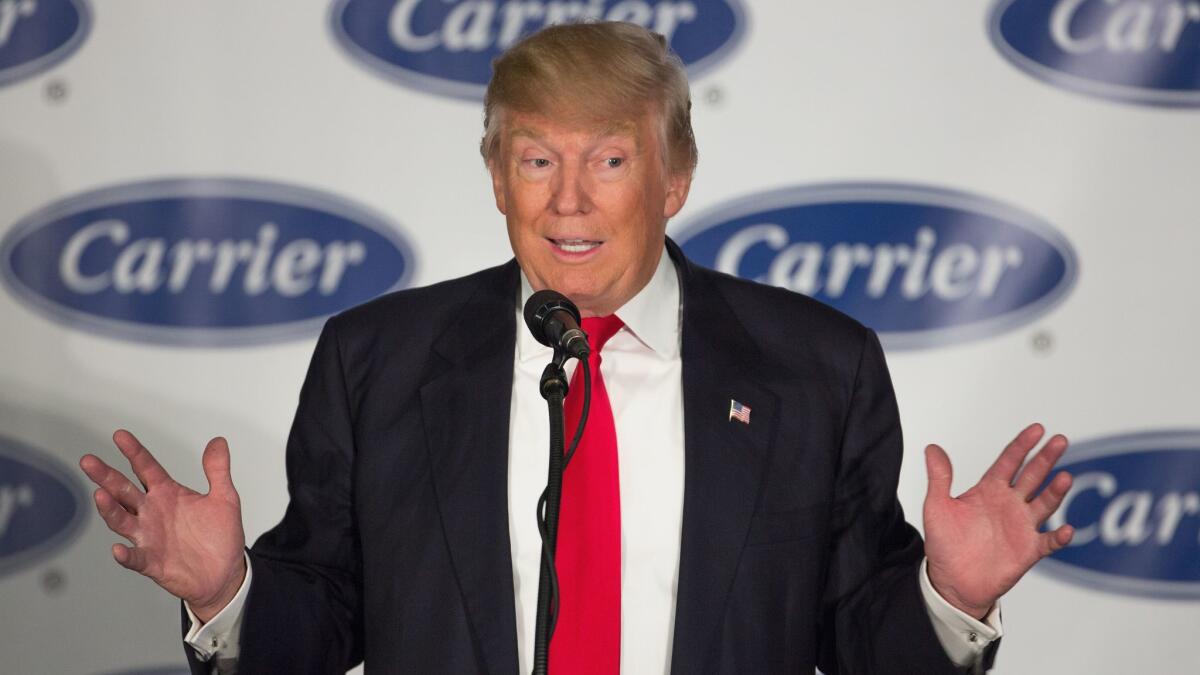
<point>188,543</point>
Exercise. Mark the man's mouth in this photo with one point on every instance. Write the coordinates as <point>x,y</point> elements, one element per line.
<point>576,245</point>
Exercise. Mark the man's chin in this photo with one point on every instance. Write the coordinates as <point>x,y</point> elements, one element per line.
<point>593,289</point>
<point>586,298</point>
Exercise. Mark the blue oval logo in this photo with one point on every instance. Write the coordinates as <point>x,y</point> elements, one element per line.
<point>1128,50</point>
<point>202,261</point>
<point>922,266</point>
<point>37,34</point>
<point>41,505</point>
<point>1135,506</point>
<point>447,46</point>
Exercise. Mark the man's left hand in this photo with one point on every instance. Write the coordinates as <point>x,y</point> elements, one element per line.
<point>981,543</point>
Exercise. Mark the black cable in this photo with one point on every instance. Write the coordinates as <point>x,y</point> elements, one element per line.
<point>550,572</point>
<point>583,415</point>
<point>548,559</point>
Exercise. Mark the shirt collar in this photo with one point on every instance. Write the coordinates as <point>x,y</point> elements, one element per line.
<point>651,316</point>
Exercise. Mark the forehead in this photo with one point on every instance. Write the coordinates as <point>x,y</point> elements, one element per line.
<point>579,129</point>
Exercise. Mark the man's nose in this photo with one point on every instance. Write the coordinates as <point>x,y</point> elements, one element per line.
<point>572,192</point>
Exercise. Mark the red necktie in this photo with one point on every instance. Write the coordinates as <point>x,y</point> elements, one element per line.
<point>587,637</point>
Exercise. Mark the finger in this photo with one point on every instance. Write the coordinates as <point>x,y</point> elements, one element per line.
<point>132,558</point>
<point>216,467</point>
<point>1040,466</point>
<point>1046,503</point>
<point>115,517</point>
<point>940,472</point>
<point>1006,465</point>
<point>114,482</point>
<point>1049,542</point>
<point>145,467</point>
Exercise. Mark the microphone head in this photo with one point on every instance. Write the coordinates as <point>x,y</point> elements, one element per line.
<point>540,306</point>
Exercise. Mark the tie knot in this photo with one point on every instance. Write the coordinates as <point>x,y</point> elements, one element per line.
<point>599,329</point>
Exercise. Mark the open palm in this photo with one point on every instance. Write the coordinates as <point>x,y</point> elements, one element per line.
<point>188,543</point>
<point>981,543</point>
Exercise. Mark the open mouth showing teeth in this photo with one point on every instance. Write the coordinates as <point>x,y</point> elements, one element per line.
<point>576,245</point>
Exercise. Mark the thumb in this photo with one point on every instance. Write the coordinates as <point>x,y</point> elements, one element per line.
<point>131,557</point>
<point>216,467</point>
<point>941,473</point>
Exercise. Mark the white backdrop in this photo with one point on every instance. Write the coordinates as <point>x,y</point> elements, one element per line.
<point>804,93</point>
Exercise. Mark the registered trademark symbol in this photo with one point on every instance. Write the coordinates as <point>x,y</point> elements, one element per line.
<point>714,95</point>
<point>56,91</point>
<point>53,580</point>
<point>1043,342</point>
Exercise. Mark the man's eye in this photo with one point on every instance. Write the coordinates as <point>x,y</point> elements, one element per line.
<point>539,163</point>
<point>614,162</point>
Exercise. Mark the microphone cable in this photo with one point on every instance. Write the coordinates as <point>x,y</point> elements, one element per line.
<point>541,653</point>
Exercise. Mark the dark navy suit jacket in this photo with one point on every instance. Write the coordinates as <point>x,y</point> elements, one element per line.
<point>395,547</point>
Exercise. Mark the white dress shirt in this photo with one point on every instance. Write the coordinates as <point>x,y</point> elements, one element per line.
<point>643,375</point>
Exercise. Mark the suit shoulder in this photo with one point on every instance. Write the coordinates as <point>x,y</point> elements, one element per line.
<point>416,310</point>
<point>800,340</point>
<point>800,314</point>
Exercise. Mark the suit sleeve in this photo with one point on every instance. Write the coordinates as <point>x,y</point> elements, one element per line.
<point>303,614</point>
<point>874,618</point>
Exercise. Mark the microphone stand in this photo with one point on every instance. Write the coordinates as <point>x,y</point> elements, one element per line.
<point>554,389</point>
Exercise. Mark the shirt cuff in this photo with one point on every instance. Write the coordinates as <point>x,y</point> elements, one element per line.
<point>222,632</point>
<point>962,636</point>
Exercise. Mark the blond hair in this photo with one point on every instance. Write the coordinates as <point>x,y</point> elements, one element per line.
<point>593,72</point>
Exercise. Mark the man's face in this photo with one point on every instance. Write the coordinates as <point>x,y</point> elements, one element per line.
<point>587,208</point>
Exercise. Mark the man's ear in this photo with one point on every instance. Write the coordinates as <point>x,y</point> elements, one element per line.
<point>497,186</point>
<point>678,186</point>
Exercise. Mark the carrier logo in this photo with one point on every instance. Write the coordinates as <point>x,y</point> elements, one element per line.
<point>447,46</point>
<point>41,507</point>
<point>202,261</point>
<point>1142,51</point>
<point>1135,506</point>
<point>922,266</point>
<point>37,34</point>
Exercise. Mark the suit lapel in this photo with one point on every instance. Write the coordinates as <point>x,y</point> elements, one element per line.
<point>465,409</point>
<point>724,460</point>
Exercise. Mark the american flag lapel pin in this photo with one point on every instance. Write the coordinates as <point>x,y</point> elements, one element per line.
<point>739,411</point>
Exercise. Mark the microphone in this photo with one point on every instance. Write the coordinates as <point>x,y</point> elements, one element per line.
<point>554,322</point>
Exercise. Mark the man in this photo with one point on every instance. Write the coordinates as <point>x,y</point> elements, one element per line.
<point>770,541</point>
